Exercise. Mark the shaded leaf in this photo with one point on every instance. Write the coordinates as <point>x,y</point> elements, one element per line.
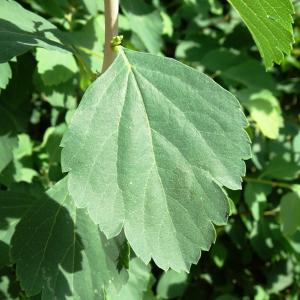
<point>281,168</point>
<point>232,66</point>
<point>13,206</point>
<point>92,6</point>
<point>172,284</point>
<point>256,198</point>
<point>89,42</point>
<point>58,250</point>
<point>219,254</point>
<point>10,288</point>
<point>146,22</point>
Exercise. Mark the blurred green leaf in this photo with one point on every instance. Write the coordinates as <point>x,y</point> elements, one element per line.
<point>219,254</point>
<point>265,110</point>
<point>7,144</point>
<point>89,42</point>
<point>256,198</point>
<point>5,75</point>
<point>146,22</point>
<point>290,212</point>
<point>172,284</point>
<point>281,168</point>
<point>55,67</point>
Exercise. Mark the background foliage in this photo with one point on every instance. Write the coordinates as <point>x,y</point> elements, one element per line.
<point>257,255</point>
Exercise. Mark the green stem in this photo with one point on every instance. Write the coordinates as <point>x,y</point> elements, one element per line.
<point>111,30</point>
<point>269,182</point>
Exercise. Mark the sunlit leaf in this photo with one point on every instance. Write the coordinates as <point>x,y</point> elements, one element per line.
<point>149,149</point>
<point>270,23</point>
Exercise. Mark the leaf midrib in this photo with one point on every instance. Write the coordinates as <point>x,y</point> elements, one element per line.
<point>132,71</point>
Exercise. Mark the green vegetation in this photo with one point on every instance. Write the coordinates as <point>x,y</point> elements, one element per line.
<point>172,174</point>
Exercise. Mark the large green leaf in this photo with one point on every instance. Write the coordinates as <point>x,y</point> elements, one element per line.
<point>149,148</point>
<point>57,248</point>
<point>270,23</point>
<point>20,30</point>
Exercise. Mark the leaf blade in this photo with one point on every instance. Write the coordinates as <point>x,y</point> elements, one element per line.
<point>138,145</point>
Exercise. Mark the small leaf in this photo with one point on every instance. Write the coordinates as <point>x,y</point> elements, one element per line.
<point>265,110</point>
<point>149,148</point>
<point>256,198</point>
<point>270,23</point>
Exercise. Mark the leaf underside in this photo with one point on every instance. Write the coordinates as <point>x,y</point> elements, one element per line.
<point>270,23</point>
<point>149,149</point>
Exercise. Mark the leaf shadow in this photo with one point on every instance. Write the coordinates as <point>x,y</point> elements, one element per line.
<point>44,243</point>
<point>27,39</point>
<point>137,7</point>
